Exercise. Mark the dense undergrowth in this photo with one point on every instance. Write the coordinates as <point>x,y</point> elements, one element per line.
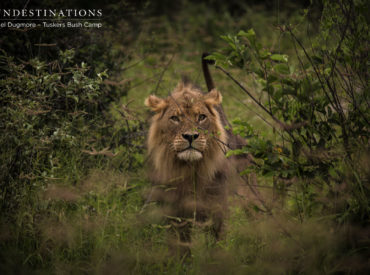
<point>73,127</point>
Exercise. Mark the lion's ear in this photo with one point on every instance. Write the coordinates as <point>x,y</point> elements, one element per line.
<point>214,97</point>
<point>155,103</point>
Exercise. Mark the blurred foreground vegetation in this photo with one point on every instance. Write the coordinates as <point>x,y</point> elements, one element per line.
<point>73,129</point>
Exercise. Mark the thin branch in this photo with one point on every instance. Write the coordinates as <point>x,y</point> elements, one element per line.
<point>133,65</point>
<point>162,74</point>
<point>248,93</point>
<point>283,125</point>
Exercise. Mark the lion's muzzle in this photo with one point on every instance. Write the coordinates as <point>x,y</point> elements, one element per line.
<point>189,146</point>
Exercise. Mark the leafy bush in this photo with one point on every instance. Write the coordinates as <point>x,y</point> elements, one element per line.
<point>319,106</point>
<point>53,118</point>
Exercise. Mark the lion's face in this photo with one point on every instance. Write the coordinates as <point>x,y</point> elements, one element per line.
<point>186,125</point>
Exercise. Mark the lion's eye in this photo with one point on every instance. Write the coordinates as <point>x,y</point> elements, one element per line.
<point>175,118</point>
<point>201,117</point>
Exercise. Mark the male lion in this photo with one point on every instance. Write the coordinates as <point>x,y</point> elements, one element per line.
<point>186,149</point>
<point>186,145</point>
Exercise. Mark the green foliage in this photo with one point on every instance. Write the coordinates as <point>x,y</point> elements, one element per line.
<point>319,106</point>
<point>52,116</point>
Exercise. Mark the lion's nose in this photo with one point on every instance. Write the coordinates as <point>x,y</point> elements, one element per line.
<point>190,136</point>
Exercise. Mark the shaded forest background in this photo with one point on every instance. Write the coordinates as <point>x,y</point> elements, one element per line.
<point>294,77</point>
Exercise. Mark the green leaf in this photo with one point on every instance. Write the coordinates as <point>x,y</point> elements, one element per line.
<point>264,54</point>
<point>282,68</point>
<point>219,58</point>
<point>250,35</point>
<point>231,40</point>
<point>279,57</point>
